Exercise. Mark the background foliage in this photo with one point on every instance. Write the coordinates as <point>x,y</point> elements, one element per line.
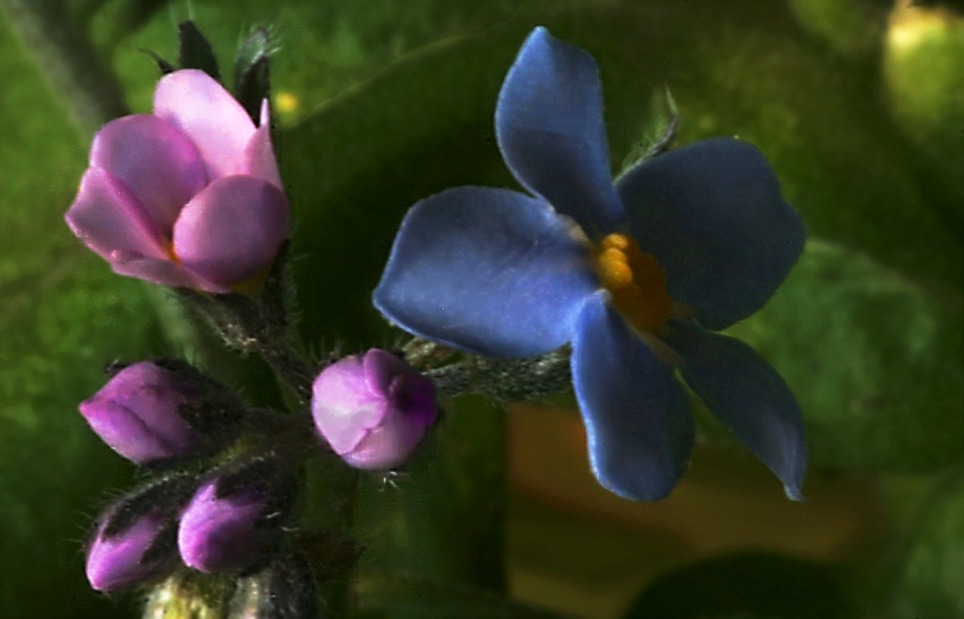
<point>860,106</point>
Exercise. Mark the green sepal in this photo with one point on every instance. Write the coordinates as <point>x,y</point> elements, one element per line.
<point>252,74</point>
<point>195,51</point>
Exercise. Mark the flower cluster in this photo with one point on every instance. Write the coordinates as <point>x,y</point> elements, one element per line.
<point>373,410</point>
<point>628,282</point>
<point>168,416</point>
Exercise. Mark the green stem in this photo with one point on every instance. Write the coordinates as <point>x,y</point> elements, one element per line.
<point>68,60</point>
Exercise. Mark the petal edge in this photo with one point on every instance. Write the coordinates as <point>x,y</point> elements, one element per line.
<point>638,421</point>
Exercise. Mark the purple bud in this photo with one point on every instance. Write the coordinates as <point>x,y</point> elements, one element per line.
<point>135,538</point>
<point>137,413</point>
<point>129,557</point>
<point>187,196</point>
<point>374,409</point>
<point>234,521</point>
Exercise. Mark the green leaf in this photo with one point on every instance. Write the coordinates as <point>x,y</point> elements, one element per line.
<point>392,593</point>
<point>355,167</point>
<point>63,316</point>
<point>195,51</point>
<point>443,518</point>
<point>745,586</point>
<point>252,75</point>
<point>927,557</point>
<point>876,361</point>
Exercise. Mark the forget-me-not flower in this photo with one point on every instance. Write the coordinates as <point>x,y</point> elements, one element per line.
<point>634,275</point>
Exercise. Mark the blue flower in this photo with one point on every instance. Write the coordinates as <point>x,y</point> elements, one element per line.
<point>634,275</point>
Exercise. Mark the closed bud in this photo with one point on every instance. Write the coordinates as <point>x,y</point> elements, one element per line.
<point>373,409</point>
<point>284,589</point>
<point>160,410</point>
<point>234,521</point>
<point>135,539</point>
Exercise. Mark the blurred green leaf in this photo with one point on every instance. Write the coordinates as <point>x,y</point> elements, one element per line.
<point>853,28</point>
<point>923,74</point>
<point>424,597</point>
<point>876,360</point>
<point>745,586</point>
<point>63,316</point>
<point>355,167</point>
<point>443,518</point>
<point>930,558</point>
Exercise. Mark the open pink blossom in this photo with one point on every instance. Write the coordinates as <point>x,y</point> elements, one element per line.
<point>187,196</point>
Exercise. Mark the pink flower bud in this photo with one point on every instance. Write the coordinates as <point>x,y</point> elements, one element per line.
<point>187,196</point>
<point>138,413</point>
<point>133,555</point>
<point>234,521</point>
<point>164,409</point>
<point>135,538</point>
<point>373,409</point>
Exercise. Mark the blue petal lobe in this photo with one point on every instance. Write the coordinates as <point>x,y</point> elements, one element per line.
<point>489,271</point>
<point>748,395</point>
<point>713,216</point>
<point>637,417</point>
<point>549,126</point>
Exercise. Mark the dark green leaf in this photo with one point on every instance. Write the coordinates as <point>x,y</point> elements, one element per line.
<point>195,51</point>
<point>876,361</point>
<point>744,586</point>
<point>925,562</point>
<point>252,76</point>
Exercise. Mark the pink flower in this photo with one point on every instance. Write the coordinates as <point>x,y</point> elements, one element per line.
<point>187,196</point>
<point>373,409</point>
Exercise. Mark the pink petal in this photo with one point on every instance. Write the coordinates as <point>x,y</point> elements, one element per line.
<point>110,221</point>
<point>387,445</point>
<point>343,408</point>
<point>232,230</point>
<point>165,272</point>
<point>259,152</point>
<point>154,160</point>
<point>217,124</point>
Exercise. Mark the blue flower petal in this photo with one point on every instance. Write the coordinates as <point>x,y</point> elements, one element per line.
<point>489,271</point>
<point>637,417</point>
<point>748,395</point>
<point>712,215</point>
<point>549,126</point>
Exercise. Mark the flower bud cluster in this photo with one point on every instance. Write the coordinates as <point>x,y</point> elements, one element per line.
<point>231,520</point>
<point>168,416</point>
<point>228,492</point>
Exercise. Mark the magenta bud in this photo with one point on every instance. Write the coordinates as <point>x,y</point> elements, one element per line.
<point>138,413</point>
<point>131,556</point>
<point>373,409</point>
<point>234,522</point>
<point>187,196</point>
<point>135,538</point>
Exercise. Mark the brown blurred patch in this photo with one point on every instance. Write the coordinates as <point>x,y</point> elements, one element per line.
<point>575,547</point>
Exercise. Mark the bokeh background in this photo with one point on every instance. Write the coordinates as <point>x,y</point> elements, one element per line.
<point>859,104</point>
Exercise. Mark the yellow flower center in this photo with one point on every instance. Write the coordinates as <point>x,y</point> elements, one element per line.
<point>635,280</point>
